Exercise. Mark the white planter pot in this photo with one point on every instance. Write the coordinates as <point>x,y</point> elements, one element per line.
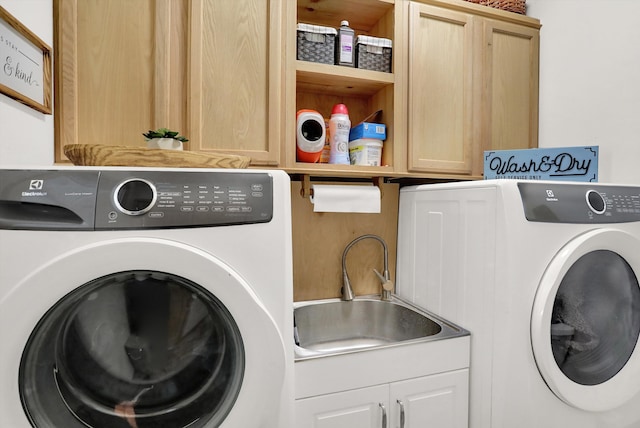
<point>164,143</point>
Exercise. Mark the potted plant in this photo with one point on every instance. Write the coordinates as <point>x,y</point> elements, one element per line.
<point>163,138</point>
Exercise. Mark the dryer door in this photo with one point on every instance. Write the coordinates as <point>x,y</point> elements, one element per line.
<point>143,333</point>
<point>585,322</point>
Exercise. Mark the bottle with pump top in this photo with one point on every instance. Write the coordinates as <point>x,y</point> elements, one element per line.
<point>339,127</point>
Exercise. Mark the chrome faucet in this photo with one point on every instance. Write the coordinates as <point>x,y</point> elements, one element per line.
<point>385,281</point>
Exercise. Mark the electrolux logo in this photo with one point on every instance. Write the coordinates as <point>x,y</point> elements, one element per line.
<point>551,197</point>
<point>35,188</point>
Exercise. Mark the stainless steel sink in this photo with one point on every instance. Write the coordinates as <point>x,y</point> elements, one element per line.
<point>333,326</point>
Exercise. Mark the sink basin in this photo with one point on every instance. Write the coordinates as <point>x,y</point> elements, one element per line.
<point>333,326</point>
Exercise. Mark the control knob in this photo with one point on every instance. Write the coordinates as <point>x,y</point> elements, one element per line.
<point>135,196</point>
<point>596,202</point>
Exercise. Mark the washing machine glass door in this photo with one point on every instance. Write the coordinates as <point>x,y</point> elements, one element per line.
<point>586,321</point>
<point>134,349</point>
<point>143,333</point>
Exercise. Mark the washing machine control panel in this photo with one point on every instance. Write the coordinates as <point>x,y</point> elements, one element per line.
<point>42,199</point>
<point>90,199</point>
<point>166,199</point>
<point>579,202</point>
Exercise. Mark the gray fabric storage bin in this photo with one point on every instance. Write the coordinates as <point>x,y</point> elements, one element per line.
<point>316,43</point>
<point>373,53</point>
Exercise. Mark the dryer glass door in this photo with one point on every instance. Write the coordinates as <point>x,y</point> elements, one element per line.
<point>596,318</point>
<point>586,320</point>
<point>134,349</point>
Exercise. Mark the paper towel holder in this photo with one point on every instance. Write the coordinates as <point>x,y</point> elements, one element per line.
<point>307,191</point>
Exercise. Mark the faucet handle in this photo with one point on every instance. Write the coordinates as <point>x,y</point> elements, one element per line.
<point>387,284</point>
<point>380,276</point>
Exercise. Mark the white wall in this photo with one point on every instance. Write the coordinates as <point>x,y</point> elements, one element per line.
<point>590,80</point>
<point>26,135</point>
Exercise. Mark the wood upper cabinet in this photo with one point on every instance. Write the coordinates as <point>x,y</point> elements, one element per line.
<point>224,73</point>
<point>236,68</point>
<point>440,90</point>
<point>509,109</point>
<point>104,83</point>
<point>472,85</point>
<point>210,69</point>
<point>317,86</point>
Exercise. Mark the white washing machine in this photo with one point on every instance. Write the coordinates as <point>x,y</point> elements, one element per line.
<point>545,276</point>
<point>145,298</point>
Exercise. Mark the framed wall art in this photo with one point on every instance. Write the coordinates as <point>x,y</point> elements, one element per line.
<point>25,64</point>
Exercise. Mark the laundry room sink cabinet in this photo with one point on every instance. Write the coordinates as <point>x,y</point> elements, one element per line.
<point>439,400</point>
<point>410,385</point>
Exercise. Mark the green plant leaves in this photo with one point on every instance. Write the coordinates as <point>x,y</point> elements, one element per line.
<point>164,133</point>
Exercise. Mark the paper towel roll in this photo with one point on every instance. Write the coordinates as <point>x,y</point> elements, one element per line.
<point>345,199</point>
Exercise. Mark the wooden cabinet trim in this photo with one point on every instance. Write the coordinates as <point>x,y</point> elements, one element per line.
<point>65,75</point>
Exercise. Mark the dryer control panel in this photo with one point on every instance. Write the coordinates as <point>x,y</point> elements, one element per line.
<point>579,202</point>
<point>89,199</point>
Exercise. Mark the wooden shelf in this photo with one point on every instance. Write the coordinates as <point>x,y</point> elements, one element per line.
<point>361,14</point>
<point>332,170</point>
<point>337,80</point>
<point>321,86</point>
<point>360,172</point>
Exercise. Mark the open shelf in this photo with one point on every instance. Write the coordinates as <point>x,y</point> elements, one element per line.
<point>331,170</point>
<point>320,86</point>
<point>363,15</point>
<point>337,80</point>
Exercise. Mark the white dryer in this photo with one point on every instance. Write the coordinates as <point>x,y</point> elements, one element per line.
<point>545,276</point>
<point>145,298</point>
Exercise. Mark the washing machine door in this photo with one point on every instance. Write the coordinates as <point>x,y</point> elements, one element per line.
<point>585,322</point>
<point>143,333</point>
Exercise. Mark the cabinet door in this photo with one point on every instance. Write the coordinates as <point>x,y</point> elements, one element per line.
<point>436,401</point>
<point>236,78</point>
<point>440,90</point>
<point>209,69</point>
<point>361,408</point>
<point>510,81</point>
<point>114,62</point>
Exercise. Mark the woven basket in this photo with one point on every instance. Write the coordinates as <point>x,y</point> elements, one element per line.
<point>316,43</point>
<point>517,6</point>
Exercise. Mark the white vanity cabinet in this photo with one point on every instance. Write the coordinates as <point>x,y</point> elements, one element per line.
<point>424,384</point>
<point>439,401</point>
<point>359,408</point>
